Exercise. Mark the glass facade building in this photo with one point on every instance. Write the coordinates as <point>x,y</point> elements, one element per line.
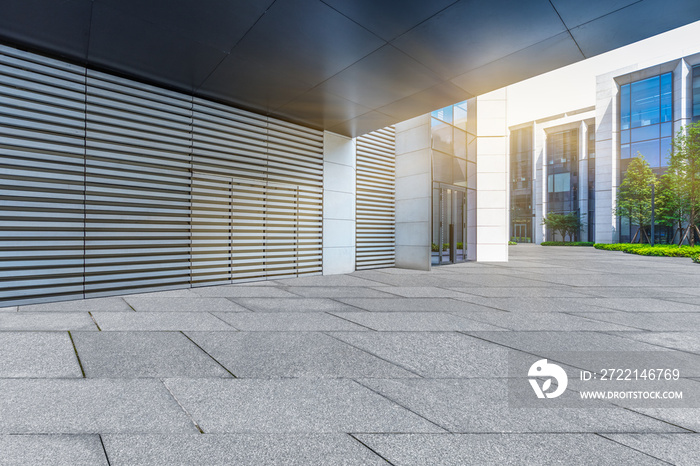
<point>451,165</point>
<point>646,120</point>
<point>521,190</point>
<point>562,173</point>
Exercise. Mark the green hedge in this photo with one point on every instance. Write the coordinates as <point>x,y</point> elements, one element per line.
<point>512,243</point>
<point>661,250</point>
<point>562,243</point>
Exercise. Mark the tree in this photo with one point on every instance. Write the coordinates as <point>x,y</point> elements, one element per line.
<point>564,224</point>
<point>684,175</point>
<point>671,208</point>
<point>634,195</point>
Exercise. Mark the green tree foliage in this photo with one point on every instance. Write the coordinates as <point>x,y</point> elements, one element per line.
<point>671,207</point>
<point>684,174</point>
<point>564,224</point>
<point>634,194</point>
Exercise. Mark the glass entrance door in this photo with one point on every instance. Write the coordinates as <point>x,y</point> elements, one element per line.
<point>449,243</point>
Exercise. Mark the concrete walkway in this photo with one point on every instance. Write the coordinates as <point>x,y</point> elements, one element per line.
<point>388,365</point>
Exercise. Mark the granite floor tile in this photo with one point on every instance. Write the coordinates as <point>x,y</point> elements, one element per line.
<point>412,304</point>
<point>434,354</point>
<point>238,449</point>
<point>175,304</point>
<point>292,304</point>
<point>83,305</point>
<point>682,341</point>
<point>341,292</point>
<point>415,321</point>
<point>237,291</point>
<point>159,321</point>
<point>89,405</point>
<point>58,450</point>
<point>482,405</point>
<point>143,354</point>
<point>556,321</point>
<point>37,354</point>
<point>46,321</point>
<point>656,321</point>
<point>292,406</point>
<point>503,449</point>
<point>288,321</point>
<point>678,449</point>
<point>292,354</point>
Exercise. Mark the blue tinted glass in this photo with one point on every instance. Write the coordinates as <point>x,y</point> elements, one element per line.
<point>460,115</point>
<point>625,107</point>
<point>644,103</point>
<point>645,132</point>
<point>649,150</point>
<point>667,97</point>
<point>625,151</point>
<point>444,114</point>
<point>666,130</point>
<point>665,151</point>
<point>625,137</point>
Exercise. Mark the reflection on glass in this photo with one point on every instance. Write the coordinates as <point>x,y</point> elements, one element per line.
<point>442,136</point>
<point>443,114</point>
<point>460,142</point>
<point>460,115</point>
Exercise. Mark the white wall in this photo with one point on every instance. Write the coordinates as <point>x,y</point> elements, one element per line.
<point>338,204</point>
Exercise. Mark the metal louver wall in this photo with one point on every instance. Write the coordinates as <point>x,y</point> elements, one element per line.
<point>42,133</point>
<point>376,181</point>
<point>137,197</point>
<point>257,193</point>
<point>109,186</point>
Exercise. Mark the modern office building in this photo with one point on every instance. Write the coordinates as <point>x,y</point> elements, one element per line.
<point>156,145</point>
<point>574,131</point>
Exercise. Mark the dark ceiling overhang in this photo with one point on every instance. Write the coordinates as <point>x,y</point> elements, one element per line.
<point>348,66</point>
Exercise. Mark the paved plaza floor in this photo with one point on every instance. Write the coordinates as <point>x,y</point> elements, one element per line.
<point>375,367</point>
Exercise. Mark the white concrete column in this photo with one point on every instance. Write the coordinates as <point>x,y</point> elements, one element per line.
<point>583,178</point>
<point>539,180</point>
<point>339,187</point>
<point>413,193</point>
<point>682,96</point>
<point>607,174</point>
<point>492,178</point>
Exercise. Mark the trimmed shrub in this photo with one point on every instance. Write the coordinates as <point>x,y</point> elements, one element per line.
<point>661,250</point>
<point>563,243</point>
<point>512,243</point>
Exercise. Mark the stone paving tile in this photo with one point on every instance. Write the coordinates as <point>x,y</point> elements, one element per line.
<point>47,321</point>
<point>292,406</point>
<point>83,305</point>
<point>683,341</point>
<point>663,292</point>
<point>327,280</point>
<point>143,354</point>
<point>89,405</point>
<point>9,309</point>
<point>159,321</point>
<point>341,292</point>
<point>58,450</point>
<point>678,449</point>
<point>292,354</point>
<point>37,354</point>
<point>532,292</point>
<point>415,321</point>
<point>657,321</point>
<point>692,300</point>
<point>412,304</point>
<point>288,321</point>
<point>688,418</point>
<point>555,321</point>
<point>238,449</point>
<point>481,405</point>
<point>179,293</point>
<point>586,349</point>
<point>292,304</point>
<point>434,354</point>
<point>424,292</point>
<point>527,304</point>
<point>644,305</point>
<point>503,449</point>
<point>176,304</point>
<point>237,291</point>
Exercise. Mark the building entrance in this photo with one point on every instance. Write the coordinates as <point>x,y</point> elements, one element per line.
<point>449,230</point>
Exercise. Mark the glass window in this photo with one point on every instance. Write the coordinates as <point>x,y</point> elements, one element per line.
<point>625,151</point>
<point>442,136</point>
<point>444,114</point>
<point>666,97</point>
<point>442,168</point>
<point>666,130</point>
<point>664,151</point>
<point>625,137</point>
<point>460,142</point>
<point>460,115</point>
<point>649,150</point>
<point>459,172</point>
<point>625,107</point>
<point>645,132</point>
